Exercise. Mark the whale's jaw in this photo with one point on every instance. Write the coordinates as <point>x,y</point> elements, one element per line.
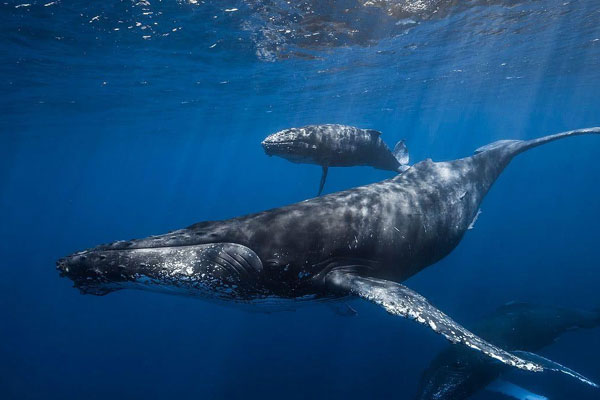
<point>221,270</point>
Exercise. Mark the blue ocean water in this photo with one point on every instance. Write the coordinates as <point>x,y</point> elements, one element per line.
<point>122,119</point>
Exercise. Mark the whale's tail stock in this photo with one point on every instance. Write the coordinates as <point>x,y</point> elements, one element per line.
<point>514,147</point>
<point>494,157</point>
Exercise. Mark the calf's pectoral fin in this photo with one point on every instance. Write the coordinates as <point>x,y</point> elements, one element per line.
<point>323,178</point>
<point>399,300</point>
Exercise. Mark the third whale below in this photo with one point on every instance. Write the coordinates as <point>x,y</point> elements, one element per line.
<point>457,373</point>
<point>362,242</point>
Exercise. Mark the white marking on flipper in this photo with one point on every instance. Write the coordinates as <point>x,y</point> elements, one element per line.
<point>399,300</point>
<point>512,390</point>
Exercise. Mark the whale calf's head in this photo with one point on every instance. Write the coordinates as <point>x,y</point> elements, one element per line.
<point>455,374</point>
<point>220,270</point>
<point>299,145</point>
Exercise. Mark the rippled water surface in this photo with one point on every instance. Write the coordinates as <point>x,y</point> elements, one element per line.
<point>123,119</point>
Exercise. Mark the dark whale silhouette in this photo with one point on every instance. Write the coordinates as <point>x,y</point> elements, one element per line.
<point>363,241</point>
<point>332,145</point>
<point>457,373</point>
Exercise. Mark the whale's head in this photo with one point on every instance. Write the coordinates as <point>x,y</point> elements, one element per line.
<point>298,145</point>
<point>456,373</point>
<point>221,270</point>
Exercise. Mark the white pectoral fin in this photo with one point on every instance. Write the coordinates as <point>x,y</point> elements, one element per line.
<point>550,365</point>
<point>512,390</point>
<point>399,300</point>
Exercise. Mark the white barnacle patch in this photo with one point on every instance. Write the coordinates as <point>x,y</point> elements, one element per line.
<point>433,326</point>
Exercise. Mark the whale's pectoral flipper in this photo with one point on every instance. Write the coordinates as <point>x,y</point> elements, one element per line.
<point>323,178</point>
<point>512,390</point>
<point>399,300</point>
<point>550,365</point>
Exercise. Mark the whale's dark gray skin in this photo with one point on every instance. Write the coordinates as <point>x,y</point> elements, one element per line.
<point>363,242</point>
<point>332,145</point>
<point>457,373</point>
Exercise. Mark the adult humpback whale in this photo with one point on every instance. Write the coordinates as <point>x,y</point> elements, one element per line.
<point>457,373</point>
<point>333,145</point>
<point>362,242</point>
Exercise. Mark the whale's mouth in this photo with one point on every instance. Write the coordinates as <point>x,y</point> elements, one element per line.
<point>270,146</point>
<point>292,150</point>
<point>90,274</point>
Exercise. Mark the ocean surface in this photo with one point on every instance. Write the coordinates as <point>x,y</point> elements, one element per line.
<point>123,119</point>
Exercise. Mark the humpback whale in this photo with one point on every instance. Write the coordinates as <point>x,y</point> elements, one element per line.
<point>333,145</point>
<point>457,373</point>
<point>363,242</point>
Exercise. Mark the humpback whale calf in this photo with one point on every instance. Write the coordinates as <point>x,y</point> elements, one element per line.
<point>362,242</point>
<point>457,373</point>
<point>333,145</point>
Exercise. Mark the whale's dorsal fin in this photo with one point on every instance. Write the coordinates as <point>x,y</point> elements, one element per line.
<point>399,300</point>
<point>495,145</point>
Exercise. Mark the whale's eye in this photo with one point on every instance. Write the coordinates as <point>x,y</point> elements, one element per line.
<point>272,263</point>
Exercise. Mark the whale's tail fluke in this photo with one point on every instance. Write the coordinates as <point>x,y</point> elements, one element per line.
<point>514,147</point>
<point>401,155</point>
<point>529,144</point>
<point>491,159</point>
